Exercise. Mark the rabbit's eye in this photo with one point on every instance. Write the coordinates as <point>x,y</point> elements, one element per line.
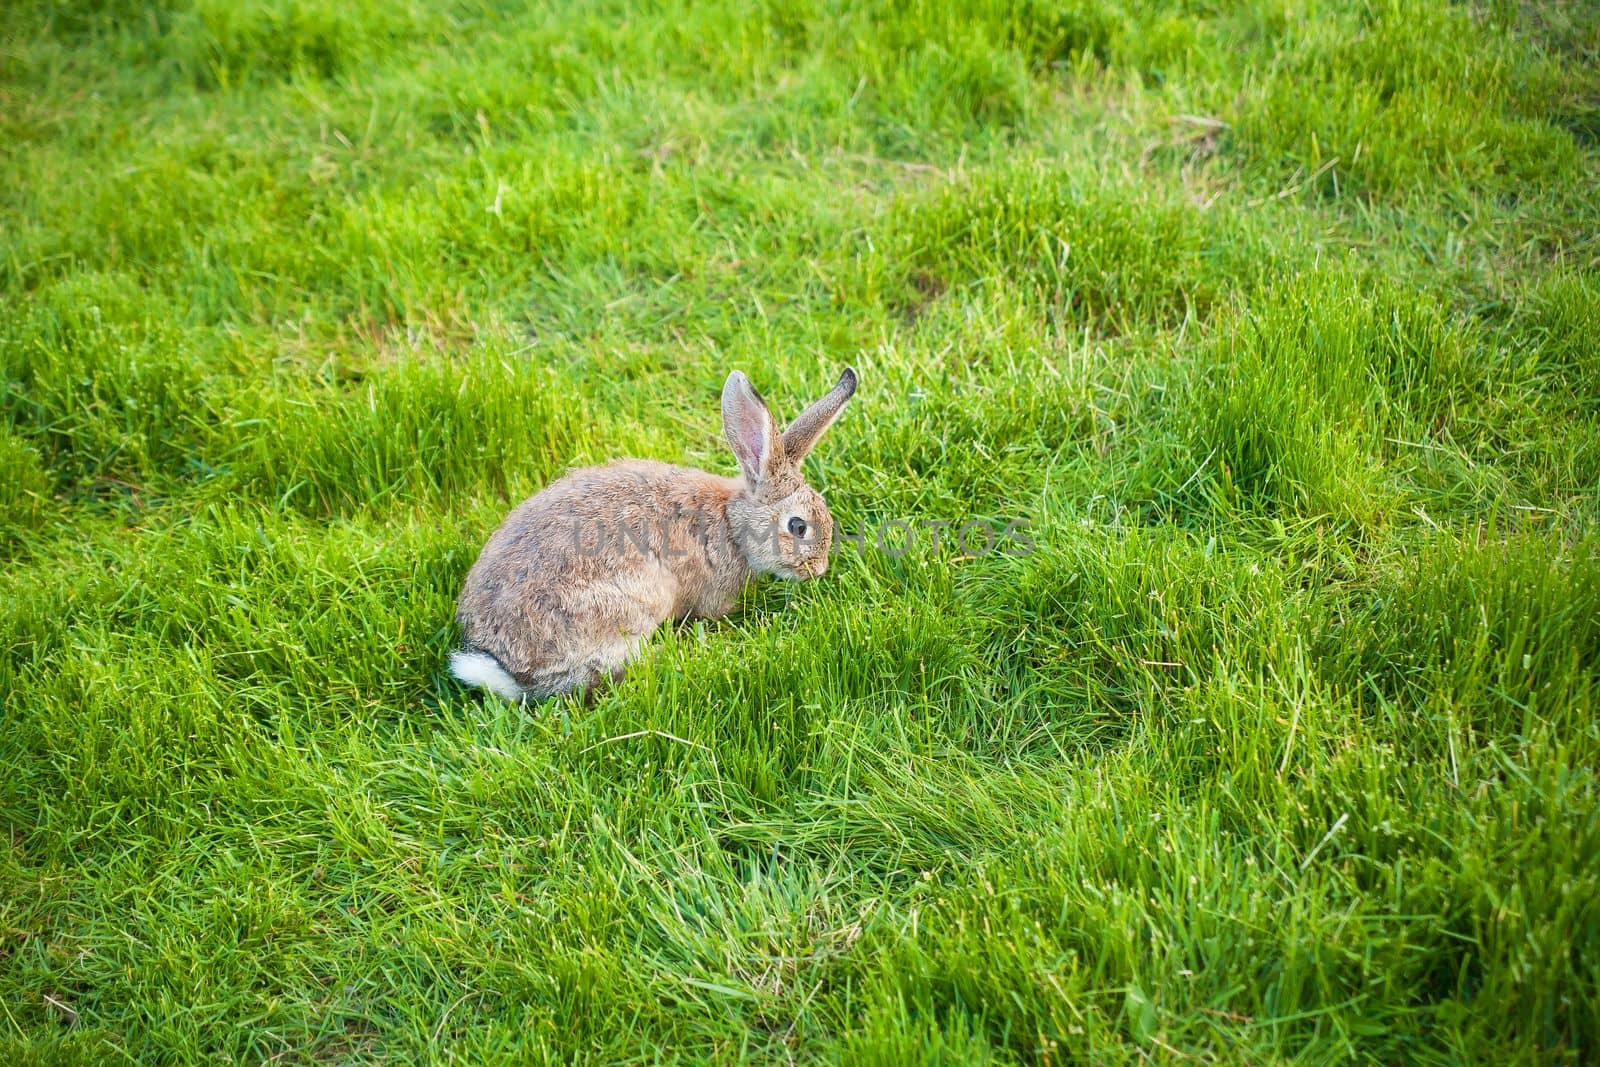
<point>797,526</point>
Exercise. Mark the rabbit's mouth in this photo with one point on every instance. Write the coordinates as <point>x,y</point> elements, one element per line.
<point>809,569</point>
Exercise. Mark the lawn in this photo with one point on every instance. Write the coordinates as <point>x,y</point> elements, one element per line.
<point>1275,325</point>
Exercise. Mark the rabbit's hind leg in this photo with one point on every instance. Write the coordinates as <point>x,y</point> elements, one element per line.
<point>589,675</point>
<point>610,665</point>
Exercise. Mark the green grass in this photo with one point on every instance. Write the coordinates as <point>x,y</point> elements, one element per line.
<point>1279,320</point>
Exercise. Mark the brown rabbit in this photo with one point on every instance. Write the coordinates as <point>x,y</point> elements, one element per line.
<point>579,575</point>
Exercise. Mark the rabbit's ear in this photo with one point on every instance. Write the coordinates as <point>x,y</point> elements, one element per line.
<point>748,426</point>
<point>810,423</point>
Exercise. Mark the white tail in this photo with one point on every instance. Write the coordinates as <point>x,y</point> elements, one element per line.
<point>482,669</point>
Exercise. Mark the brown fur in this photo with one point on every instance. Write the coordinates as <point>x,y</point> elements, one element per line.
<point>579,575</point>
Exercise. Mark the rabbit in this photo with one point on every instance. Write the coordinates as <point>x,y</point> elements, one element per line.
<point>578,576</point>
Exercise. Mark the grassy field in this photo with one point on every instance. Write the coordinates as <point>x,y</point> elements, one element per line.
<point>1277,320</point>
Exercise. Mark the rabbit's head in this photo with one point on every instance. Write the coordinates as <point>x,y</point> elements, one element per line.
<point>782,525</point>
